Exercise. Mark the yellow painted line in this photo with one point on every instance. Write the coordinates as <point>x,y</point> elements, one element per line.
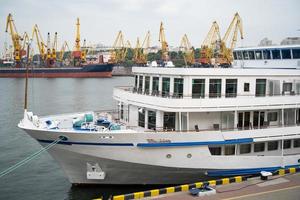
<point>238,179</point>
<point>199,184</point>
<point>154,193</point>
<point>225,181</point>
<point>119,197</point>
<point>281,172</point>
<point>292,170</point>
<point>261,193</point>
<point>170,190</point>
<point>138,195</point>
<point>212,183</point>
<point>184,188</point>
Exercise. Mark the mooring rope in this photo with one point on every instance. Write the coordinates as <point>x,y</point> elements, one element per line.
<point>29,158</point>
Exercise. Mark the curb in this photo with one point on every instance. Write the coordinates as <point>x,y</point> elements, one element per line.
<point>187,187</point>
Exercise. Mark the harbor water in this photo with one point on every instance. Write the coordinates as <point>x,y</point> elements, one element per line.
<point>42,178</point>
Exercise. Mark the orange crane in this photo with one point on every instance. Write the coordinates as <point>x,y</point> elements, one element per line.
<point>188,51</point>
<point>16,38</point>
<point>39,41</point>
<point>164,44</point>
<point>226,50</point>
<point>209,44</point>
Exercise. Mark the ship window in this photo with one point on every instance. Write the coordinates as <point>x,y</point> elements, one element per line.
<point>276,54</point>
<point>229,149</point>
<point>215,88</point>
<point>273,145</point>
<point>267,54</point>
<point>272,116</point>
<point>234,55</point>
<point>258,55</point>
<point>155,85</point>
<point>140,89</point>
<point>251,55</point>
<point>231,87</point>
<point>296,53</point>
<point>259,147</point>
<point>147,84</point>
<point>286,53</point>
<point>169,121</point>
<point>287,87</point>
<point>215,150</point>
<point>151,120</point>
<point>178,87</point>
<point>296,143</point>
<point>287,144</point>
<point>165,87</point>
<point>141,119</point>
<point>122,111</point>
<point>245,55</point>
<point>260,89</point>
<point>245,148</point>
<point>198,88</point>
<point>239,55</point>
<point>246,87</point>
<point>136,81</point>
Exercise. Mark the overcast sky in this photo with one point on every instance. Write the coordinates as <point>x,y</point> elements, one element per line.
<point>102,19</point>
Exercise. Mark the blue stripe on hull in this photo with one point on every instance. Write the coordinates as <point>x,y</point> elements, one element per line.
<point>250,171</point>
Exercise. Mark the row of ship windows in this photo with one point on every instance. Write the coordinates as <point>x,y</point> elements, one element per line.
<point>198,87</point>
<point>256,147</point>
<point>267,54</point>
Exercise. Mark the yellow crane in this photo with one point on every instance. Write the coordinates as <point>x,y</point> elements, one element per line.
<point>77,51</point>
<point>140,55</point>
<point>25,39</point>
<point>225,57</point>
<point>83,51</point>
<point>117,52</point>
<point>16,38</point>
<point>209,44</point>
<point>63,50</point>
<point>188,51</point>
<point>39,41</point>
<point>164,44</point>
<point>54,48</point>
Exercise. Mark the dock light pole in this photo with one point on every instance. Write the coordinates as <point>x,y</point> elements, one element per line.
<point>26,78</point>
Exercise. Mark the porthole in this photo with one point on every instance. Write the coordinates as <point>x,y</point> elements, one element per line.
<point>168,155</point>
<point>189,155</point>
<point>299,161</point>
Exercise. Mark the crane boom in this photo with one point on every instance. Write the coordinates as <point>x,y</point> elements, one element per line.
<point>54,47</point>
<point>187,49</point>
<point>10,26</point>
<point>77,39</point>
<point>62,51</point>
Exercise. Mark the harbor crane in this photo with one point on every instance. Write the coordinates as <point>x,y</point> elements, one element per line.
<point>140,55</point>
<point>83,51</point>
<point>164,44</point>
<point>54,48</point>
<point>78,55</point>
<point>208,46</point>
<point>25,39</point>
<point>16,39</point>
<point>188,51</point>
<point>226,50</point>
<point>63,49</point>
<point>39,41</point>
<point>118,49</point>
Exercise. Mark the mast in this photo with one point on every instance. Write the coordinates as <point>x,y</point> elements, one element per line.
<point>26,79</point>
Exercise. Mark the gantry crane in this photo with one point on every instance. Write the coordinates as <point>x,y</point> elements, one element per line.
<point>164,44</point>
<point>16,38</point>
<point>39,41</point>
<point>209,44</point>
<point>226,50</point>
<point>188,51</point>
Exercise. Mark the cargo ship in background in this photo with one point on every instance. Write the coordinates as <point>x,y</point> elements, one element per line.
<point>95,66</point>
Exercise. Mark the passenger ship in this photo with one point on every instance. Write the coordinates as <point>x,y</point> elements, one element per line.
<point>178,125</point>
